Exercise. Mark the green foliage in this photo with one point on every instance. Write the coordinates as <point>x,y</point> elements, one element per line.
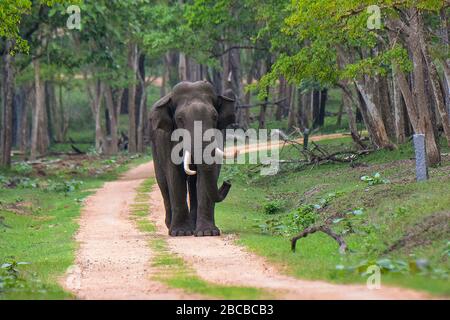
<point>22,168</point>
<point>374,179</point>
<point>12,13</point>
<point>64,186</point>
<point>386,265</point>
<point>375,217</point>
<point>297,220</point>
<point>10,276</point>
<point>273,207</point>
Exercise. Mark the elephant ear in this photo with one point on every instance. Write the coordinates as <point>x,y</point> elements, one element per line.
<point>161,114</point>
<point>225,106</point>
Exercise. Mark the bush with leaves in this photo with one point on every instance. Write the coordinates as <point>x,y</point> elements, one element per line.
<point>273,207</point>
<point>297,220</point>
<point>374,179</point>
<point>22,169</point>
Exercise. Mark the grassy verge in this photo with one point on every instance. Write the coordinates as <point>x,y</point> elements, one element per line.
<point>396,223</point>
<point>39,206</point>
<point>171,269</point>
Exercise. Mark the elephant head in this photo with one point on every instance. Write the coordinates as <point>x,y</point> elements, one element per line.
<point>187,103</point>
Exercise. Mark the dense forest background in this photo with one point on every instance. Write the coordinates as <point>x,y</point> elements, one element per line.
<point>318,65</point>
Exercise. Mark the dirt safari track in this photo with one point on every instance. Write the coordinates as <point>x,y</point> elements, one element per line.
<point>114,260</point>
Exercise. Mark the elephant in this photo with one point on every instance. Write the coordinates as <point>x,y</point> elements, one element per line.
<point>186,103</point>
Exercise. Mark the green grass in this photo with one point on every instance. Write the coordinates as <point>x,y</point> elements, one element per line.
<point>317,255</point>
<point>39,224</point>
<point>172,270</point>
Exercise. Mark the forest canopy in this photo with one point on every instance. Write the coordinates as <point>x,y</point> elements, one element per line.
<point>388,60</point>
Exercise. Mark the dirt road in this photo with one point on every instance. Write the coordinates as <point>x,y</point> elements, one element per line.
<point>114,260</point>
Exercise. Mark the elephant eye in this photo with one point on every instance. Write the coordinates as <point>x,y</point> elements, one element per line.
<point>215,117</point>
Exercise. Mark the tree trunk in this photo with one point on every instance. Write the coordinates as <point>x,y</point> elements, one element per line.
<point>8,108</point>
<point>340,111</point>
<point>235,75</point>
<point>132,115</point>
<point>226,67</point>
<point>113,148</point>
<point>376,125</point>
<point>183,67</point>
<point>64,116</point>
<point>399,114</point>
<point>281,95</point>
<point>292,117</point>
<point>419,91</point>
<point>95,92</point>
<point>23,121</point>
<point>39,130</point>
<point>386,106</point>
<point>315,106</point>
<point>435,87</point>
<point>348,102</point>
<point>142,108</point>
<point>322,106</point>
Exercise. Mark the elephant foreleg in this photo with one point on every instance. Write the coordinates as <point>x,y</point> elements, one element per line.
<point>192,186</point>
<point>181,225</point>
<point>205,225</point>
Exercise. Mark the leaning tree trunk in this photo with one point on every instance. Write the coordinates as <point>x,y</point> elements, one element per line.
<point>378,130</point>
<point>8,108</point>
<point>399,114</point>
<point>348,102</point>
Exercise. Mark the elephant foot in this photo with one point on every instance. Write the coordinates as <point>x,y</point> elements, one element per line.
<point>181,231</point>
<point>207,232</point>
<point>168,223</point>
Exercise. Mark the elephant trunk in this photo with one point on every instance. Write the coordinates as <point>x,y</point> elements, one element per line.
<point>214,193</point>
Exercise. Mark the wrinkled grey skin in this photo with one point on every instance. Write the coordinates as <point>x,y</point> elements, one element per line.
<point>189,102</point>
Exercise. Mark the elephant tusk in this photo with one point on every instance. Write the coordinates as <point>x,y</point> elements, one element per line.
<point>224,155</point>
<point>186,163</point>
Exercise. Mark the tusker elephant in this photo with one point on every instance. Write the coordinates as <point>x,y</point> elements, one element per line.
<point>187,103</point>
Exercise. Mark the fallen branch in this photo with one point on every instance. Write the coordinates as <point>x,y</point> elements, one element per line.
<point>77,151</point>
<point>342,244</point>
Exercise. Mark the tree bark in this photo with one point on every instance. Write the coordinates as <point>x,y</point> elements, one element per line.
<point>113,111</point>
<point>132,115</point>
<point>419,91</point>
<point>386,106</point>
<point>315,107</point>
<point>23,121</point>
<point>39,130</point>
<point>281,95</point>
<point>399,115</point>
<point>142,109</point>
<point>183,67</point>
<point>438,96</point>
<point>96,94</point>
<point>292,117</point>
<point>8,108</point>
<point>376,125</point>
